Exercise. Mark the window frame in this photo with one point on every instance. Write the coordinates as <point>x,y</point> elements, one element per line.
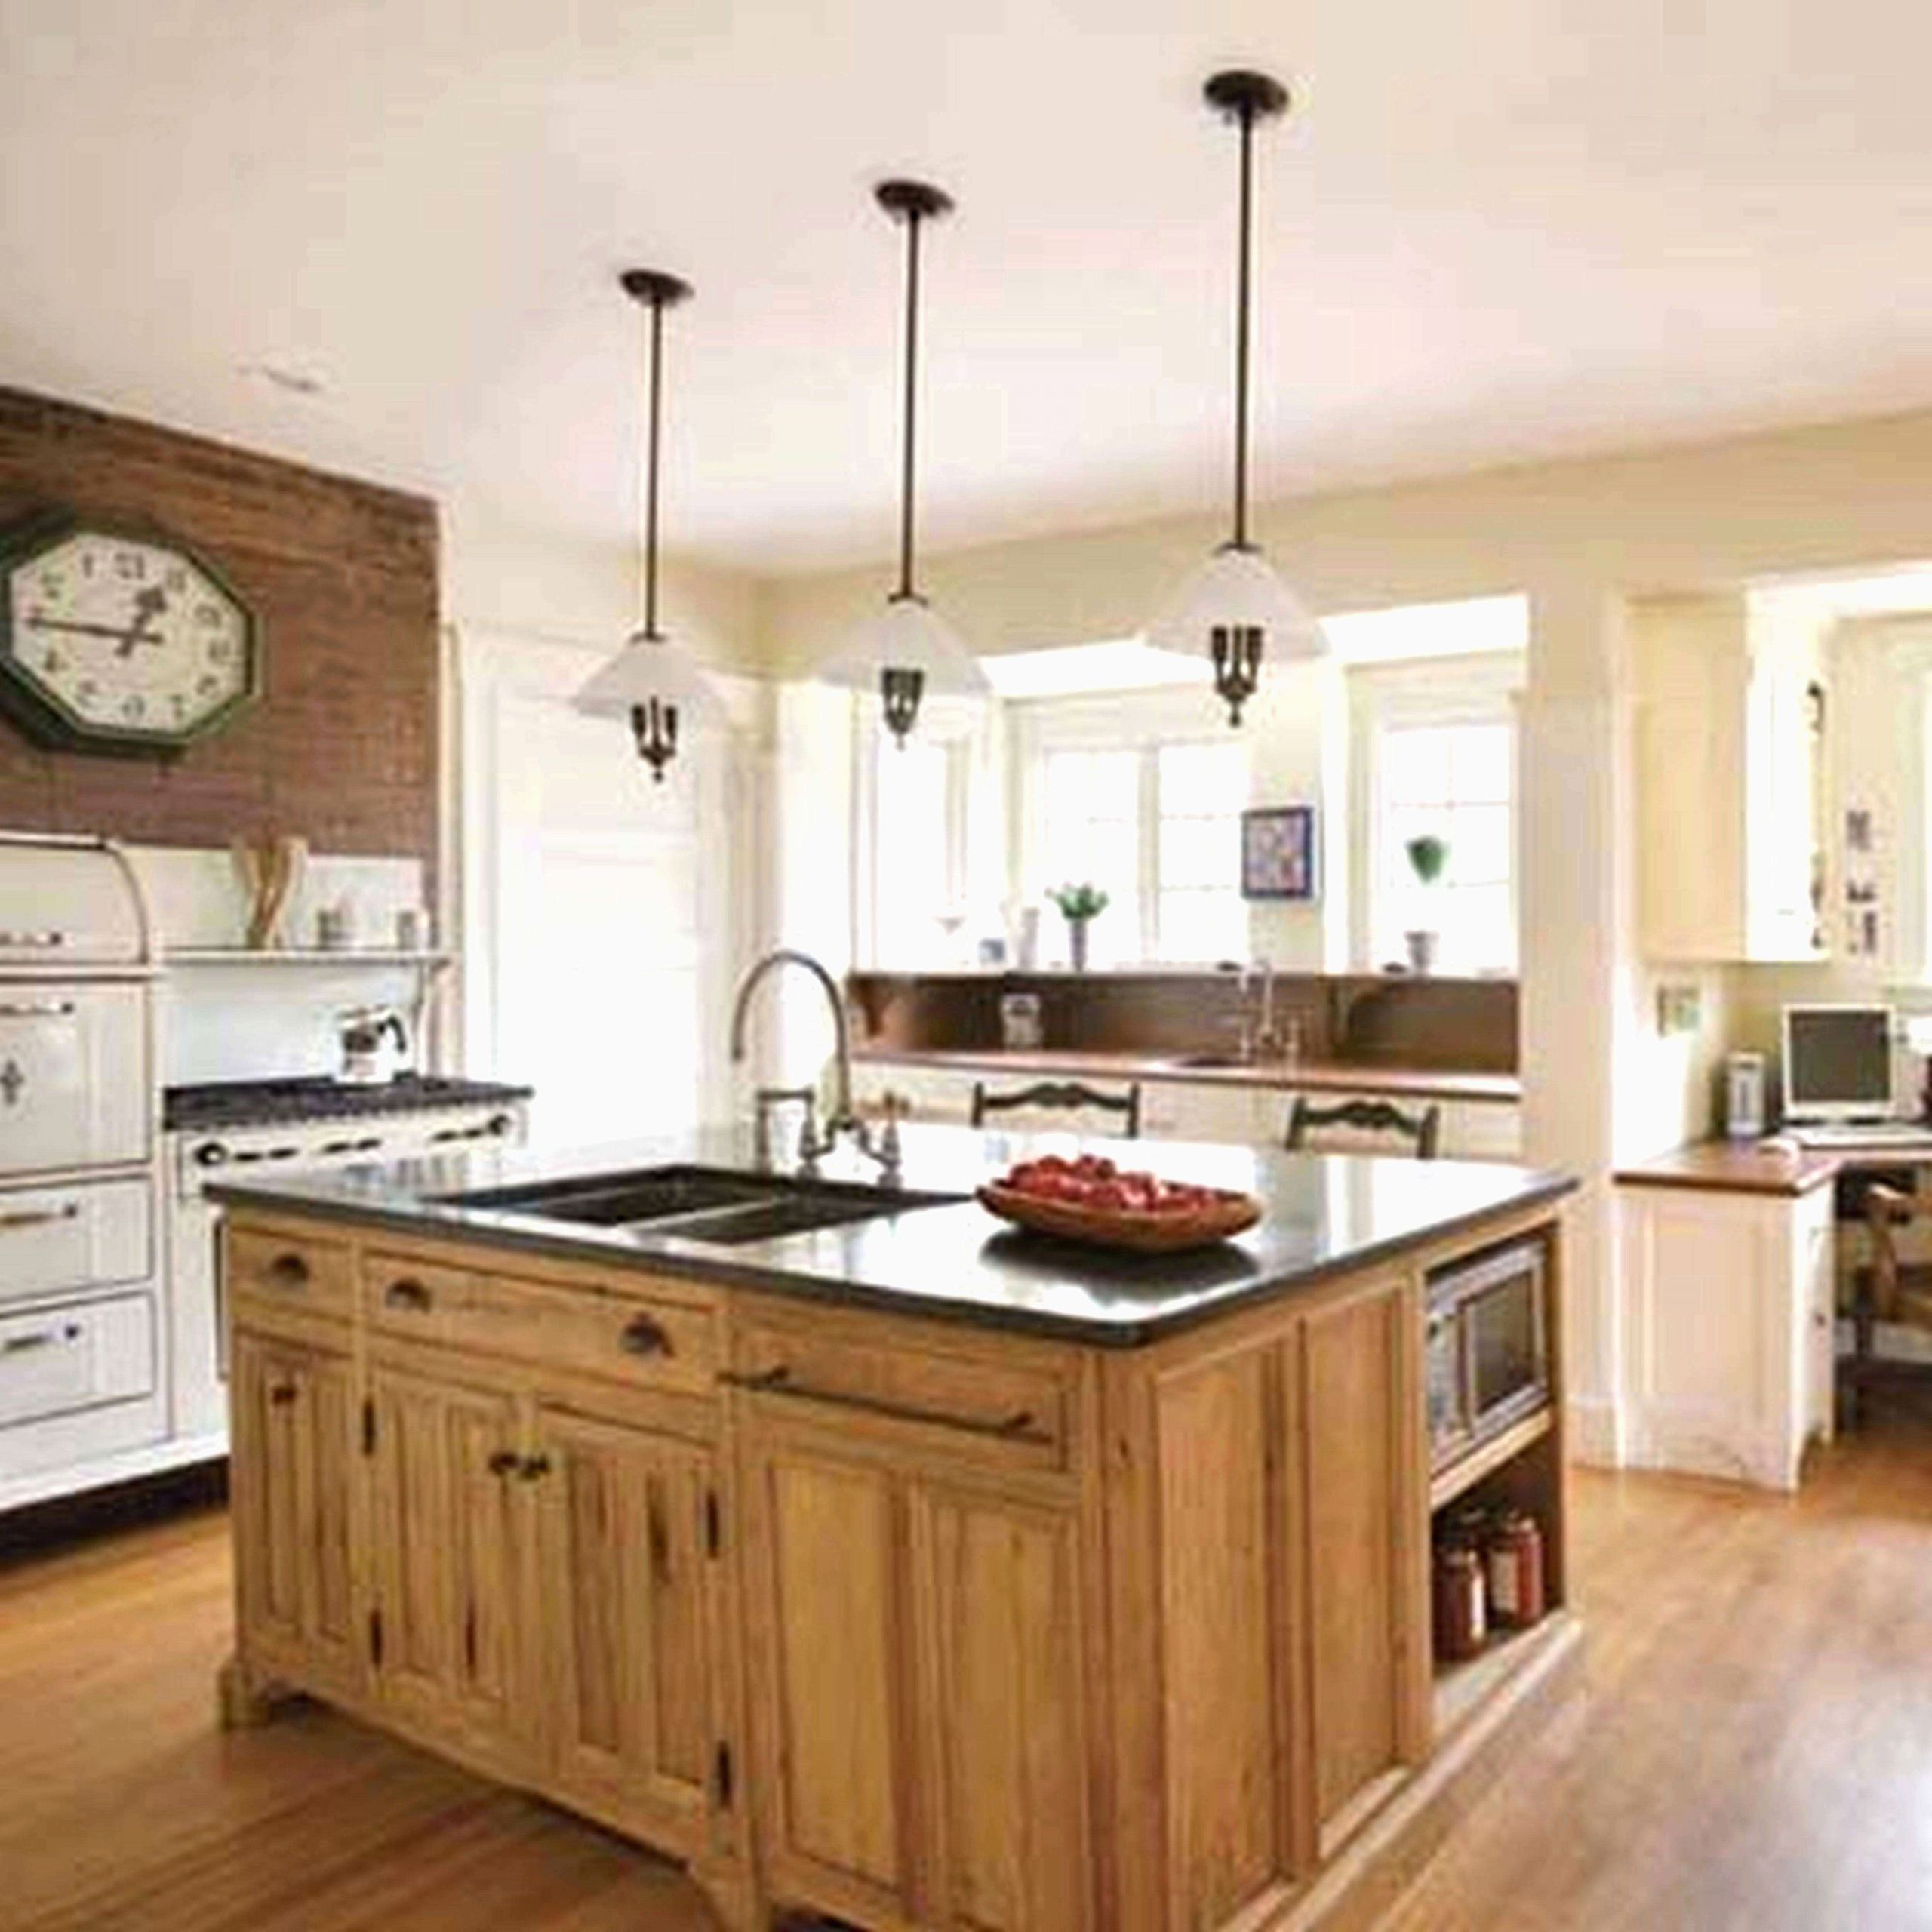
<point>1145,723</point>
<point>1482,688</point>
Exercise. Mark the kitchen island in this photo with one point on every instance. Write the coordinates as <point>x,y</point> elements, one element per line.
<point>876,1559</point>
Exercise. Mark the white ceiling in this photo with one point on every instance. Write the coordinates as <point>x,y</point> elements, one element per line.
<point>1495,228</point>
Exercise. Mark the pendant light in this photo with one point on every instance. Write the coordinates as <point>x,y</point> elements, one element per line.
<point>1235,605</point>
<point>652,682</point>
<point>907,651</point>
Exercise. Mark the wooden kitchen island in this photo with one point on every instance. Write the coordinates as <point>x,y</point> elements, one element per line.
<point>908,1570</point>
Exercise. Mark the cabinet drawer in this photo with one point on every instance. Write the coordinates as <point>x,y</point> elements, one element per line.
<point>591,1330</point>
<point>987,1410</point>
<point>83,1236</point>
<point>288,1271</point>
<point>55,1361</point>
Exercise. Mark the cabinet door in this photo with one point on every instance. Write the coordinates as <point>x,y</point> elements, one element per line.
<point>294,1451</point>
<point>995,1608</point>
<point>447,1505</point>
<point>1364,1505</point>
<point>831,1681</point>
<point>628,1530</point>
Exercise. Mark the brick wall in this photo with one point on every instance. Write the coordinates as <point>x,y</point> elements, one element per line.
<point>342,746</point>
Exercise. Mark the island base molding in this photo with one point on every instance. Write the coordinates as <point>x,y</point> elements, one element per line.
<point>924,1626</point>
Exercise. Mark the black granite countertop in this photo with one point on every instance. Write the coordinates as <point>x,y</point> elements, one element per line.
<point>1326,1214</point>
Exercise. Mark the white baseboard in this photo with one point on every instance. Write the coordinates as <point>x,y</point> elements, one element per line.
<point>1596,1432</point>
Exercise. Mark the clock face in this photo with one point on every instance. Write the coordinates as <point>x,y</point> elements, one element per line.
<point>123,640</point>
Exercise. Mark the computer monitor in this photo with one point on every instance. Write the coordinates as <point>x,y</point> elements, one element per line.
<point>1837,1063</point>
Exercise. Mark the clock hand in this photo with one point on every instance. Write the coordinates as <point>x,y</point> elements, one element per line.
<point>37,622</point>
<point>148,604</point>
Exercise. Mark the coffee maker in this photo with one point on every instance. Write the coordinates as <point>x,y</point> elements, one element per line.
<point>373,1043</point>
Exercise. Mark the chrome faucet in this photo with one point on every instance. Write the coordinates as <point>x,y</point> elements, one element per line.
<point>814,1141</point>
<point>1268,1039</point>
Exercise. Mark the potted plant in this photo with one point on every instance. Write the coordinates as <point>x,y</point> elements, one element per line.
<point>1078,904</point>
<point>1428,856</point>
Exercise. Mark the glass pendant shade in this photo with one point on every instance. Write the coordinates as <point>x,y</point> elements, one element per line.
<point>1238,588</point>
<point>908,638</point>
<point>651,667</point>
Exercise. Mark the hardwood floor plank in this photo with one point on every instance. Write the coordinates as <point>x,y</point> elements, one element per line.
<point>1753,1751</point>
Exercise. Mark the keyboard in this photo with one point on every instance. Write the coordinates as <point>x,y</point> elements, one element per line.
<point>1863,1133</point>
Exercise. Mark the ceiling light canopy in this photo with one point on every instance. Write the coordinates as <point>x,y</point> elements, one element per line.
<point>1235,605</point>
<point>652,681</point>
<point>907,650</point>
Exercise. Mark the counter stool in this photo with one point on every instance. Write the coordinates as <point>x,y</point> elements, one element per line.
<point>1060,1095</point>
<point>1417,1134</point>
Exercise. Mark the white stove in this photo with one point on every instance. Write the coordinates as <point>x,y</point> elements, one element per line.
<point>242,1127</point>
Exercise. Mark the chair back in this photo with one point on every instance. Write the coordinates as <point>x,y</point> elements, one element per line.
<point>1363,1127</point>
<point>1060,1097</point>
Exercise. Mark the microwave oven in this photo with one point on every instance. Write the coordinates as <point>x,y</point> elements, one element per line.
<point>1488,1347</point>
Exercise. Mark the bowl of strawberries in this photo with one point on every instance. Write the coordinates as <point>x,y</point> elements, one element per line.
<point>1089,1197</point>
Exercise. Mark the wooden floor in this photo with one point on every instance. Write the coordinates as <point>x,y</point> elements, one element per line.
<point>1755,1750</point>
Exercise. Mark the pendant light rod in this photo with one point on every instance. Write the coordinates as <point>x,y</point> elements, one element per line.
<point>1244,98</point>
<point>657,291</point>
<point>914,203</point>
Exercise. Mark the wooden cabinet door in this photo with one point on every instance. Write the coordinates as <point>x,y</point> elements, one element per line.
<point>629,1533</point>
<point>294,1424</point>
<point>449,1495</point>
<point>1365,1504</point>
<point>831,1681</point>
<point>996,1596</point>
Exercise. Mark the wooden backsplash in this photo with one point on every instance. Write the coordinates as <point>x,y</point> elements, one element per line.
<point>342,748</point>
<point>1469,1025</point>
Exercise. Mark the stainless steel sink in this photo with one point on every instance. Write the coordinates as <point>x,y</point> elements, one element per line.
<point>714,1206</point>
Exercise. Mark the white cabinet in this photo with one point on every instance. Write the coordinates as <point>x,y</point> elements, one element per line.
<point>1727,1329</point>
<point>1730,783</point>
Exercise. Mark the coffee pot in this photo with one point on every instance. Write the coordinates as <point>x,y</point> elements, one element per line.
<point>374,1044</point>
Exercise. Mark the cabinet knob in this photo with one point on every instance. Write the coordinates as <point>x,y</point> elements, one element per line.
<point>282,1394</point>
<point>643,1335</point>
<point>503,1462</point>
<point>533,1467</point>
<point>407,1293</point>
<point>289,1271</point>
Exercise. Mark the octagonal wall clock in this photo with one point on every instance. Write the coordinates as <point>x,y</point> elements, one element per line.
<point>121,639</point>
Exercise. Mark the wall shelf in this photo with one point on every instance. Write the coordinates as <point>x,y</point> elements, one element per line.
<point>290,956</point>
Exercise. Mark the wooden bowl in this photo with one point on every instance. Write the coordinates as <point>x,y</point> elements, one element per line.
<point>1138,1232</point>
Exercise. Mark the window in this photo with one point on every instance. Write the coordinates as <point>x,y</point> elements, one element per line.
<point>918,891</point>
<point>1456,782</point>
<point>1157,824</point>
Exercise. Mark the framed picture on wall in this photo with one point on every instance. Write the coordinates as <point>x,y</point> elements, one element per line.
<point>1278,853</point>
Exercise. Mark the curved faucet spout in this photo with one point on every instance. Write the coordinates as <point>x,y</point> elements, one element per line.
<point>842,1115</point>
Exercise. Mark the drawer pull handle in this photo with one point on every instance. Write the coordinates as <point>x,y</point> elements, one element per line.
<point>40,1338</point>
<point>533,1467</point>
<point>38,1218</point>
<point>644,1336</point>
<point>1020,1426</point>
<point>503,1462</point>
<point>15,942</point>
<point>289,1271</point>
<point>37,1009</point>
<point>282,1394</point>
<point>407,1293</point>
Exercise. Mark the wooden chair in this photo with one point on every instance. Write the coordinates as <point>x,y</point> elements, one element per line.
<point>1887,1290</point>
<point>1060,1095</point>
<point>1418,1134</point>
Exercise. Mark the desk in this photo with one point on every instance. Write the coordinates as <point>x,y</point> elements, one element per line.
<point>1728,1280</point>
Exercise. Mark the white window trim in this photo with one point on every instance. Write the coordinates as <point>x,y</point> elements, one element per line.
<point>957,727</point>
<point>1144,722</point>
<point>1484,688</point>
